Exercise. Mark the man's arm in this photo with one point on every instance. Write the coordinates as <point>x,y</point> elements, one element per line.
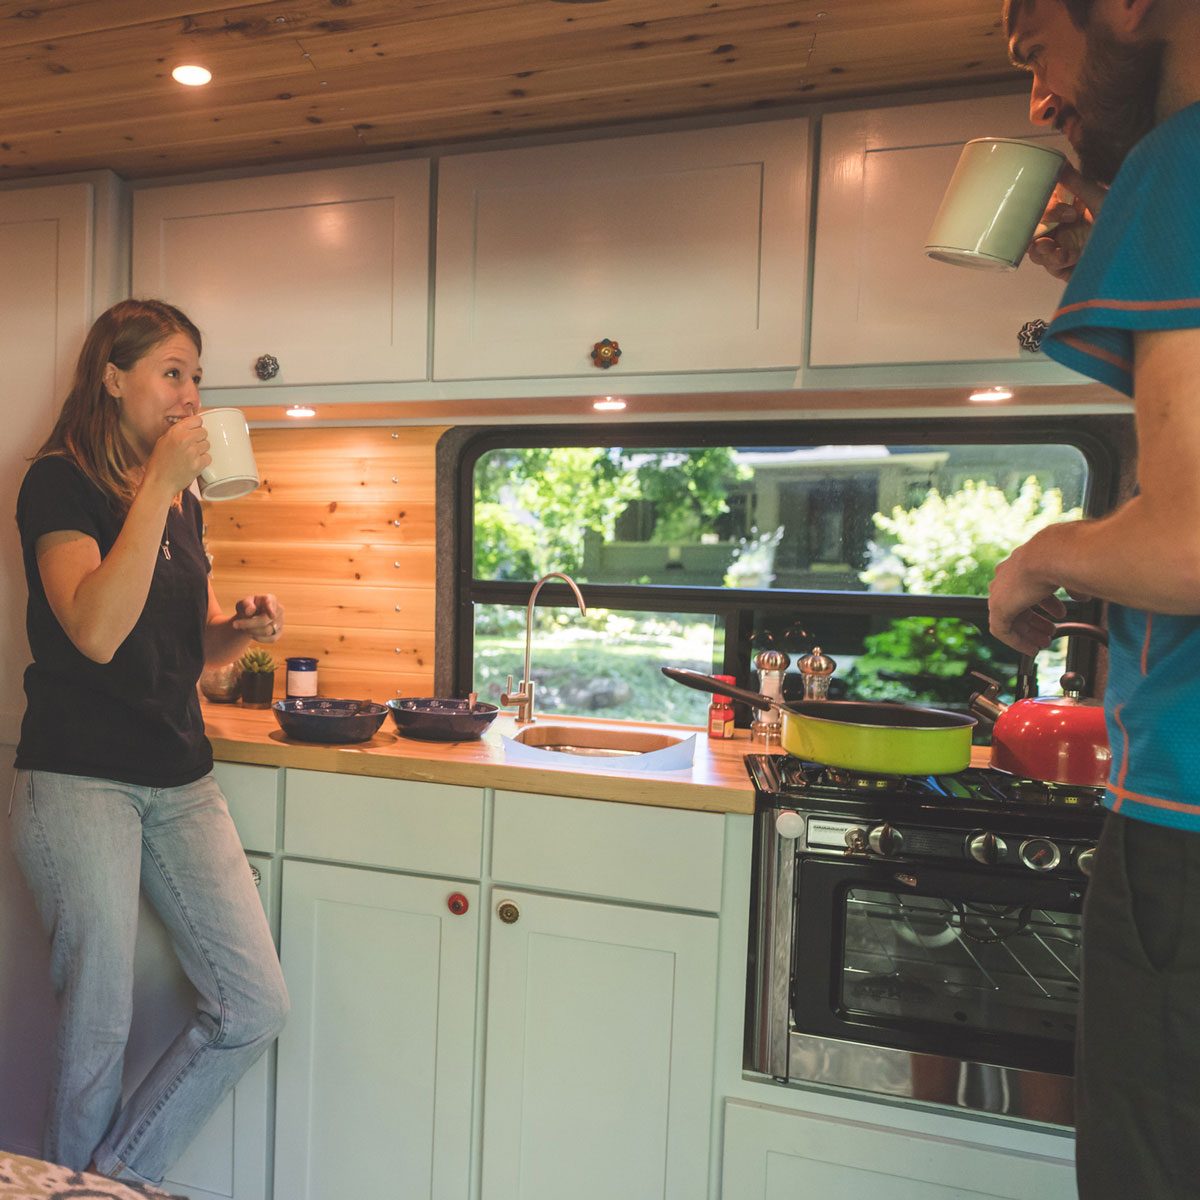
<point>1146,554</point>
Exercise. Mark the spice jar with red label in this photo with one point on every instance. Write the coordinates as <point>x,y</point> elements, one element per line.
<point>720,712</point>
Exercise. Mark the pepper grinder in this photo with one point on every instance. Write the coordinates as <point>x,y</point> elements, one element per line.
<point>768,723</point>
<point>816,669</point>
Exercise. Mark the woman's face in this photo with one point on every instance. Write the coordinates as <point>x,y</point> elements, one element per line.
<point>160,388</point>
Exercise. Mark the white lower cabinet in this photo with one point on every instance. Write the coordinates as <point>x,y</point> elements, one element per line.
<point>375,1065</point>
<point>774,1154</point>
<point>599,1051</point>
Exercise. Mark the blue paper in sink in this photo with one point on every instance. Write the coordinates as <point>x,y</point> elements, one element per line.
<point>677,757</point>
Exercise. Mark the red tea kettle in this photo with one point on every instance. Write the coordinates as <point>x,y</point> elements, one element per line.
<point>1057,739</point>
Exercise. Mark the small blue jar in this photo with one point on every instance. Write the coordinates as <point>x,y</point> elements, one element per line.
<point>301,678</point>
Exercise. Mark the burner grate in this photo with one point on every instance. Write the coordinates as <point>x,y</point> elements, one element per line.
<point>986,785</point>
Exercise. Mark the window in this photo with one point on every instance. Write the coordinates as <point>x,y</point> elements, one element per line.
<point>875,541</point>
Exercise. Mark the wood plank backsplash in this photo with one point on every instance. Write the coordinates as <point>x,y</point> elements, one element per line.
<point>343,530</point>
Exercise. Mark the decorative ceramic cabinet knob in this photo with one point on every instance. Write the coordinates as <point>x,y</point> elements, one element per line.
<point>605,353</point>
<point>267,366</point>
<point>1031,334</point>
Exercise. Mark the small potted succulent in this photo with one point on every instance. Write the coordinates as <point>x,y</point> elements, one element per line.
<point>258,678</point>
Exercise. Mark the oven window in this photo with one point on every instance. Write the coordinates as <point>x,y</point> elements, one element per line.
<point>989,968</point>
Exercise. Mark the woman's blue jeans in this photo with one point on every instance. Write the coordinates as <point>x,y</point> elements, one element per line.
<point>86,846</point>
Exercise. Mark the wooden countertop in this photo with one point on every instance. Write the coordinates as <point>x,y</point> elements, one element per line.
<point>716,782</point>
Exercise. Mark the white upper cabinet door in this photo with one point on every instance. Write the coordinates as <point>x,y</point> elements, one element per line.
<point>46,255</point>
<point>325,271</point>
<point>877,299</point>
<point>687,249</point>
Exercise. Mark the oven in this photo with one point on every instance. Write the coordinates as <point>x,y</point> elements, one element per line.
<point>919,938</point>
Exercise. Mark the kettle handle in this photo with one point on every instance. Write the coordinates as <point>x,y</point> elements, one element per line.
<point>1026,671</point>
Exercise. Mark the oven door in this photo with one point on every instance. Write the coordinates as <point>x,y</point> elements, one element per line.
<point>976,966</point>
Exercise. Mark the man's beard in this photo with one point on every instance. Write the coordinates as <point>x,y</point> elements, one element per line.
<point>1118,96</point>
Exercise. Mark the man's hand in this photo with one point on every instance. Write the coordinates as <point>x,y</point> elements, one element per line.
<point>1022,606</point>
<point>1067,223</point>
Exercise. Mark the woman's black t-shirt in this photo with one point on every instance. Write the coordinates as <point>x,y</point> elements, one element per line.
<point>137,718</point>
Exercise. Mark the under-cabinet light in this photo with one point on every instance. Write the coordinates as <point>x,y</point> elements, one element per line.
<point>990,395</point>
<point>191,75</point>
<point>299,410</point>
<point>608,404</point>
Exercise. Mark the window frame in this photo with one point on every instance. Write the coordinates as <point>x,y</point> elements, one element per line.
<point>1104,440</point>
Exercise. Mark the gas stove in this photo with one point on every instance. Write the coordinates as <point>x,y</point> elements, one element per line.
<point>918,936</point>
<point>980,817</point>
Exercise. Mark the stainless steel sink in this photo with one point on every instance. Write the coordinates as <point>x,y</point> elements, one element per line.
<point>590,741</point>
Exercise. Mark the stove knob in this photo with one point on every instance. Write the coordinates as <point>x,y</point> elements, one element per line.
<point>885,840</point>
<point>987,848</point>
<point>1040,854</point>
<point>1085,860</point>
<point>789,824</point>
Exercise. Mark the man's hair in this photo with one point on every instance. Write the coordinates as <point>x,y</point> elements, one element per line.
<point>1079,10</point>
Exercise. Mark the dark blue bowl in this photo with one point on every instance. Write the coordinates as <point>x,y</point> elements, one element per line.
<point>441,720</point>
<point>340,722</point>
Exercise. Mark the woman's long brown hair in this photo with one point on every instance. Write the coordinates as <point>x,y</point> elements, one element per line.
<point>88,430</point>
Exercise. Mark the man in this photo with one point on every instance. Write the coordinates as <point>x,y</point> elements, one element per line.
<point>1121,78</point>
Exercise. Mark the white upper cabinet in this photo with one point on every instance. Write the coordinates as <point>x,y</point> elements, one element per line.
<point>876,298</point>
<point>687,249</point>
<point>46,293</point>
<point>325,271</point>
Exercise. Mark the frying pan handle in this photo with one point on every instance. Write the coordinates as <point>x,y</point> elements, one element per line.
<point>712,685</point>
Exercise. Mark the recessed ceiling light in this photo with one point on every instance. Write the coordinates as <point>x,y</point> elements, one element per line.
<point>191,75</point>
<point>990,395</point>
<point>608,404</point>
<point>300,410</point>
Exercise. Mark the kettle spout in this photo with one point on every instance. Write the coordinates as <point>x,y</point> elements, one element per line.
<point>986,704</point>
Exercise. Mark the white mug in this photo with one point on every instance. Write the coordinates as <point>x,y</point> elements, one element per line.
<point>994,202</point>
<point>232,472</point>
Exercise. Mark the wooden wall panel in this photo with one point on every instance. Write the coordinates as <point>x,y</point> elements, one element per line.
<point>344,531</point>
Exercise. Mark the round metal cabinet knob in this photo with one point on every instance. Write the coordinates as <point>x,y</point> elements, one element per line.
<point>885,840</point>
<point>606,353</point>
<point>458,903</point>
<point>1040,854</point>
<point>266,366</point>
<point>789,824</point>
<point>987,848</point>
<point>1086,860</point>
<point>508,912</point>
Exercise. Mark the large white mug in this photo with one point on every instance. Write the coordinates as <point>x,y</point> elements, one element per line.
<point>993,203</point>
<point>233,471</point>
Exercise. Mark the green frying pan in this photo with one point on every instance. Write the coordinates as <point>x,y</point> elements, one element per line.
<point>881,739</point>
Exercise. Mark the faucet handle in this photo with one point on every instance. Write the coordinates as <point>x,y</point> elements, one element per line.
<point>506,695</point>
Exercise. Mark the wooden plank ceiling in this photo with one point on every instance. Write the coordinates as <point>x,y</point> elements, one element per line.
<point>86,83</point>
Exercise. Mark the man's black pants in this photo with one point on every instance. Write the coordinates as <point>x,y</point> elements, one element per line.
<point>1137,1084</point>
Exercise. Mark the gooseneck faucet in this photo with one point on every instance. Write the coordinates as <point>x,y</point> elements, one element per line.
<point>524,698</point>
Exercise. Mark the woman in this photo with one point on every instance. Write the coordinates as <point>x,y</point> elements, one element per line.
<point>114,785</point>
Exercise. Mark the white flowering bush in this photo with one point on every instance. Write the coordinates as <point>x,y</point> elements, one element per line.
<point>953,544</point>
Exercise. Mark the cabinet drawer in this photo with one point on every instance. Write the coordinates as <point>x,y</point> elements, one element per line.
<point>436,829</point>
<point>253,796</point>
<point>624,851</point>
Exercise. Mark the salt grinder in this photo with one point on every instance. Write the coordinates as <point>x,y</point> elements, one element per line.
<point>771,665</point>
<point>816,669</point>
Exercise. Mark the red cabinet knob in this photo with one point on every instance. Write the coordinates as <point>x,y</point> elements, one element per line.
<point>458,904</point>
